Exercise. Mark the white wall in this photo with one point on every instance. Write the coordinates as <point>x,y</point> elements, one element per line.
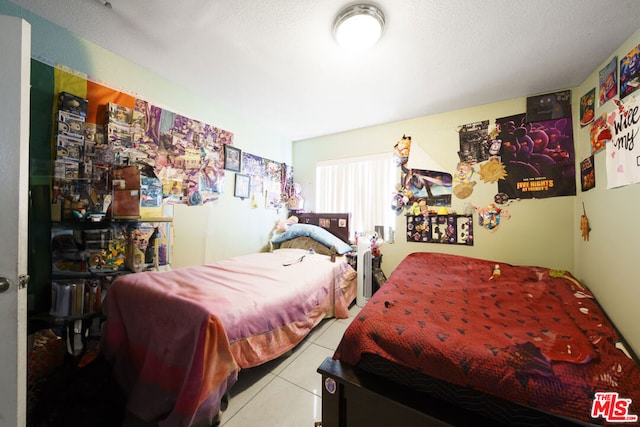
<point>226,227</point>
<point>541,232</point>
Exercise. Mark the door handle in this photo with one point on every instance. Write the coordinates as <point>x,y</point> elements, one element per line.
<point>4,284</point>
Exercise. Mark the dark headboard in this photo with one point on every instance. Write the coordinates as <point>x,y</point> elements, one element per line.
<point>337,224</point>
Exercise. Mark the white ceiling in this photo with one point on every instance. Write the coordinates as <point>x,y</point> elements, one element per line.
<point>276,62</point>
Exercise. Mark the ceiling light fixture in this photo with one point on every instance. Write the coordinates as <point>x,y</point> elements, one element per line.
<point>358,27</point>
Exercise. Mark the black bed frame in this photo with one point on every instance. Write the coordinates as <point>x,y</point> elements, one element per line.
<point>337,224</point>
<point>352,397</point>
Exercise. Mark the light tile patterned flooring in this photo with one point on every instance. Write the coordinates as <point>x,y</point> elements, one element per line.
<point>285,392</point>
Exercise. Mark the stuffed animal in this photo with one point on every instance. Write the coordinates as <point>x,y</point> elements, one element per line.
<point>402,150</point>
<point>283,224</point>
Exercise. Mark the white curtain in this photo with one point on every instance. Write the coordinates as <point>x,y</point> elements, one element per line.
<point>362,186</point>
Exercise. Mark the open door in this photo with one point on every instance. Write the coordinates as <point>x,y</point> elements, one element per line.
<point>15,63</point>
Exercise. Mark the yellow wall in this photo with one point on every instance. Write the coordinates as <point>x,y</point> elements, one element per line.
<point>608,263</point>
<point>540,232</point>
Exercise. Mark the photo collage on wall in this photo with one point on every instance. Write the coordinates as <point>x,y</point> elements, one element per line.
<point>181,159</point>
<point>610,130</point>
<point>449,229</point>
<point>268,180</point>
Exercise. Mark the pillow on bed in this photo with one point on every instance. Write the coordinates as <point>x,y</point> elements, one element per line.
<point>306,243</point>
<point>318,234</point>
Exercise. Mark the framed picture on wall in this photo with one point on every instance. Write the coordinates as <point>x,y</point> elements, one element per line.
<point>232,158</point>
<point>242,186</point>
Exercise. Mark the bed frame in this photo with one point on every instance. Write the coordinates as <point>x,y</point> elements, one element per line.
<point>353,397</point>
<point>337,224</point>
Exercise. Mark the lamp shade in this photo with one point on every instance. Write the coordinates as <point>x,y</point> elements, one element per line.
<point>358,27</point>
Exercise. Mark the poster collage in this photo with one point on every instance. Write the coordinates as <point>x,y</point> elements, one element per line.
<point>614,131</point>
<point>528,155</point>
<point>181,160</point>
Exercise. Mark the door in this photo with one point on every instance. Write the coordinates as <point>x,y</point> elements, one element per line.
<point>15,53</point>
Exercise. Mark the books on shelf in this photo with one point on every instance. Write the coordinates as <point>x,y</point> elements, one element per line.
<point>75,297</point>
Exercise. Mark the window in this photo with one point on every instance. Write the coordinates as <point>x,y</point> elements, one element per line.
<point>362,186</point>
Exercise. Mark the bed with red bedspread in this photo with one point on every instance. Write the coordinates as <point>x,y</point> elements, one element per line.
<point>531,338</point>
<point>177,339</point>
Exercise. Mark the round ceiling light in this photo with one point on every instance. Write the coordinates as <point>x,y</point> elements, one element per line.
<point>358,27</point>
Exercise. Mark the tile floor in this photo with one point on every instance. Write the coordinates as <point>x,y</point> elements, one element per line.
<point>285,392</point>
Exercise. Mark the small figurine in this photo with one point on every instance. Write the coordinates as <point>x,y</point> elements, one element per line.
<point>496,272</point>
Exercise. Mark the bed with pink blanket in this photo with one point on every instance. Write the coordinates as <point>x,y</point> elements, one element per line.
<point>177,339</point>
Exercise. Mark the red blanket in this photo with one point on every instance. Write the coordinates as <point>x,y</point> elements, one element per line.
<point>525,335</point>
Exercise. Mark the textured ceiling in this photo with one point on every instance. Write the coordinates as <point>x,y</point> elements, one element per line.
<point>276,62</point>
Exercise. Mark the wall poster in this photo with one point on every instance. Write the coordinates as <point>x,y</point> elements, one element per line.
<point>433,186</point>
<point>623,151</point>
<point>538,157</point>
<point>630,72</point>
<point>474,142</point>
<point>608,81</point>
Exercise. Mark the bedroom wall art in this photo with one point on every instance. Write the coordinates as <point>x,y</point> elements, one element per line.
<point>491,216</point>
<point>242,186</point>
<point>587,107</point>
<point>623,151</point>
<point>630,72</point>
<point>599,134</point>
<point>474,142</point>
<point>270,180</point>
<point>120,129</point>
<point>448,229</point>
<point>608,81</point>
<point>587,173</point>
<point>538,157</point>
<point>548,106</point>
<point>232,158</point>
<point>433,186</point>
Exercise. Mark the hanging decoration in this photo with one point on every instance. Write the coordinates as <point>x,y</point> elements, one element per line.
<point>501,199</point>
<point>584,224</point>
<point>492,171</point>
<point>490,217</point>
<point>462,176</point>
<point>401,150</point>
